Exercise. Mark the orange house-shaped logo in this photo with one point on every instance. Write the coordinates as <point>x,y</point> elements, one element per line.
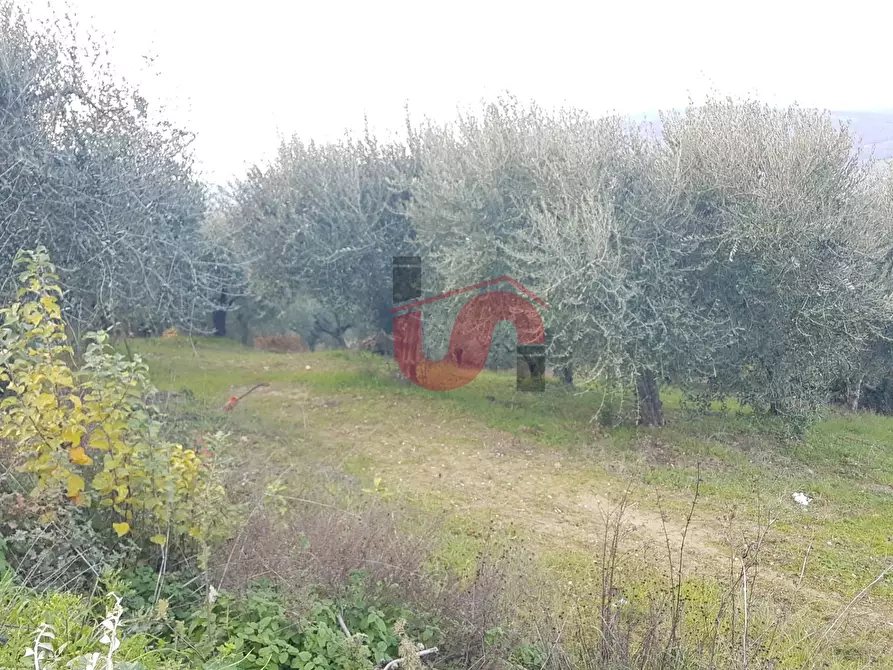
<point>472,332</point>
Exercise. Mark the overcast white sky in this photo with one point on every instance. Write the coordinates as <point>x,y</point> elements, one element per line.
<point>243,74</point>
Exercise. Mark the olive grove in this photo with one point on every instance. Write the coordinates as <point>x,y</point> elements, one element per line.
<point>743,252</point>
<point>740,253</point>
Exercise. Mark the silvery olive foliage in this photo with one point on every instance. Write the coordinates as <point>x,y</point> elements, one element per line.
<point>571,207</point>
<point>470,200</point>
<point>868,379</point>
<point>88,170</point>
<point>736,254</point>
<point>323,222</point>
<point>794,234</point>
<point>740,252</point>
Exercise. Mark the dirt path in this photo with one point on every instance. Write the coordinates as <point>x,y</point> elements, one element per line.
<point>555,499</point>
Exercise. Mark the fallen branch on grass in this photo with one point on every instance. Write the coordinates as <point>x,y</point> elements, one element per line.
<point>852,602</point>
<point>231,403</point>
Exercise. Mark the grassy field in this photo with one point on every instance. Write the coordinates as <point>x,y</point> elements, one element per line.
<point>538,472</point>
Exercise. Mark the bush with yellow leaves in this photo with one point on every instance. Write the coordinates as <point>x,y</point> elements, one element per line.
<point>88,434</point>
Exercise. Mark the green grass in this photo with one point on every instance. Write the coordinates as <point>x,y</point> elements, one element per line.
<point>845,463</point>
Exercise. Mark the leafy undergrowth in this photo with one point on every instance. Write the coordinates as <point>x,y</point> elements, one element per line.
<point>58,630</point>
<point>101,494</point>
<point>542,471</point>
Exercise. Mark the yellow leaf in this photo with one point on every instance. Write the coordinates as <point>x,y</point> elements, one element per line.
<point>79,457</point>
<point>99,440</point>
<point>72,433</point>
<point>75,486</point>
<point>121,528</point>
<point>158,539</point>
<point>45,401</point>
<point>103,482</point>
<point>49,303</point>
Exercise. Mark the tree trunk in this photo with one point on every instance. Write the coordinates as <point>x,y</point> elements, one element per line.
<point>339,335</point>
<point>567,375</point>
<point>219,322</point>
<point>651,411</point>
<point>219,316</point>
<point>854,394</point>
<point>336,332</point>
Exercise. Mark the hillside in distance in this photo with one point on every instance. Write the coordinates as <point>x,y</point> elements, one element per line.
<point>873,129</point>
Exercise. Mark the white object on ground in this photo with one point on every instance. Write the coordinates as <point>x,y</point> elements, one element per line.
<point>801,498</point>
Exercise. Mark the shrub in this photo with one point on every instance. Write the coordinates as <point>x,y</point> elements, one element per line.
<point>69,552</point>
<point>87,437</point>
<point>258,630</point>
<point>384,555</point>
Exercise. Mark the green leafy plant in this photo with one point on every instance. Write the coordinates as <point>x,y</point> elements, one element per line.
<point>257,631</point>
<point>49,631</point>
<point>177,594</point>
<point>88,435</point>
<point>530,656</point>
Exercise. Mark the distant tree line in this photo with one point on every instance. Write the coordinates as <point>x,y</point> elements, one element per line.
<point>743,252</point>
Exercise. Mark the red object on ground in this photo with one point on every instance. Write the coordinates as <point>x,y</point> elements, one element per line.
<point>230,404</point>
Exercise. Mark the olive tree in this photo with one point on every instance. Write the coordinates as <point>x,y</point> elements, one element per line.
<point>476,182</point>
<point>789,244</point>
<point>105,184</point>
<point>867,381</point>
<point>572,207</point>
<point>324,221</point>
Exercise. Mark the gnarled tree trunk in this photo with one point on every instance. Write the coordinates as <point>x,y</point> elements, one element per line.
<point>219,315</point>
<point>651,410</point>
